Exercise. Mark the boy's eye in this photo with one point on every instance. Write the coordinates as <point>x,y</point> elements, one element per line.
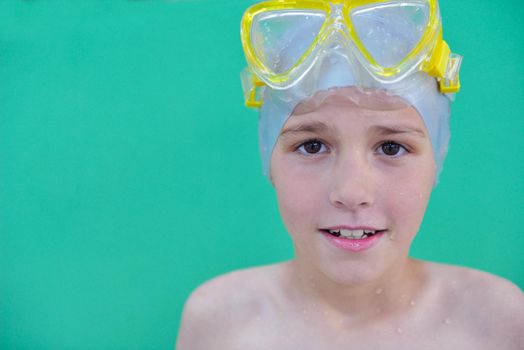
<point>390,148</point>
<point>311,147</point>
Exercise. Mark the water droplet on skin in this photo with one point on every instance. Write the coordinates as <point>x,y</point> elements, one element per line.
<point>447,320</point>
<point>399,330</point>
<point>379,290</point>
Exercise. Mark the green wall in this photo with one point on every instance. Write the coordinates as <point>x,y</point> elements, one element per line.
<point>129,169</point>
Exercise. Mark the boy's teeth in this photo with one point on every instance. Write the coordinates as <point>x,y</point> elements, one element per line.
<point>355,234</point>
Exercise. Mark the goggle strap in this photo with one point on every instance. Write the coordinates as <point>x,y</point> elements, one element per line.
<point>251,85</point>
<point>445,66</point>
<point>439,60</point>
<point>450,83</point>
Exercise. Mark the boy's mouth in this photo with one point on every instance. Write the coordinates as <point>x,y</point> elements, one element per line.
<point>352,234</point>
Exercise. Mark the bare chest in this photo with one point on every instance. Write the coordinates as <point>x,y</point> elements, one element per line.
<point>288,333</point>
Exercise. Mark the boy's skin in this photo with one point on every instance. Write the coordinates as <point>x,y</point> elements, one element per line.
<point>455,308</point>
<point>338,163</point>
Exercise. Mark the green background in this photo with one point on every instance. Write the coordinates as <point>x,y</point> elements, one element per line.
<point>129,168</point>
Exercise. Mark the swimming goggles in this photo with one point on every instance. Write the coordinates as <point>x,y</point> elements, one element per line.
<point>282,40</point>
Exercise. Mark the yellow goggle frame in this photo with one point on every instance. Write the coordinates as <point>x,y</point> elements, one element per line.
<point>437,64</point>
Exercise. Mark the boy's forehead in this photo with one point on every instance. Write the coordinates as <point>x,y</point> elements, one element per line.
<point>370,108</point>
<point>369,99</point>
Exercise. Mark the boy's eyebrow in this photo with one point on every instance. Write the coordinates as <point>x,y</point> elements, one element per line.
<point>317,127</point>
<point>306,127</point>
<point>385,130</point>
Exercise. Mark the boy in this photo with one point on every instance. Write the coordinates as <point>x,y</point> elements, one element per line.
<point>353,132</point>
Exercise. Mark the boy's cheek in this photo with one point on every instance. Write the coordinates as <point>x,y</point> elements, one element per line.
<point>408,211</point>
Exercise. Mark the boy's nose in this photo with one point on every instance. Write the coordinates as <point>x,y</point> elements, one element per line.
<point>352,183</point>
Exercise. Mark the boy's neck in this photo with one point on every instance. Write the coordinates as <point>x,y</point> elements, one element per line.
<point>396,290</point>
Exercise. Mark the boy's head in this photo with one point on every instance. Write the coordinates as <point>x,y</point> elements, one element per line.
<point>354,124</point>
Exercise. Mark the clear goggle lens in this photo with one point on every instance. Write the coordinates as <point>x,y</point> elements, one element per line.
<point>280,38</point>
<point>390,32</point>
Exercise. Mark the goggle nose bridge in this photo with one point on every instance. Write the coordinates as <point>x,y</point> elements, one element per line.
<point>336,25</point>
<point>335,36</point>
<point>336,41</point>
<point>337,16</point>
<point>336,20</point>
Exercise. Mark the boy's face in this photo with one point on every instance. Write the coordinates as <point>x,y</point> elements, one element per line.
<point>338,165</point>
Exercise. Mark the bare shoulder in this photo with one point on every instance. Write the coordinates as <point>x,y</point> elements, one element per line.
<point>479,286</point>
<point>489,305</point>
<point>216,310</point>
